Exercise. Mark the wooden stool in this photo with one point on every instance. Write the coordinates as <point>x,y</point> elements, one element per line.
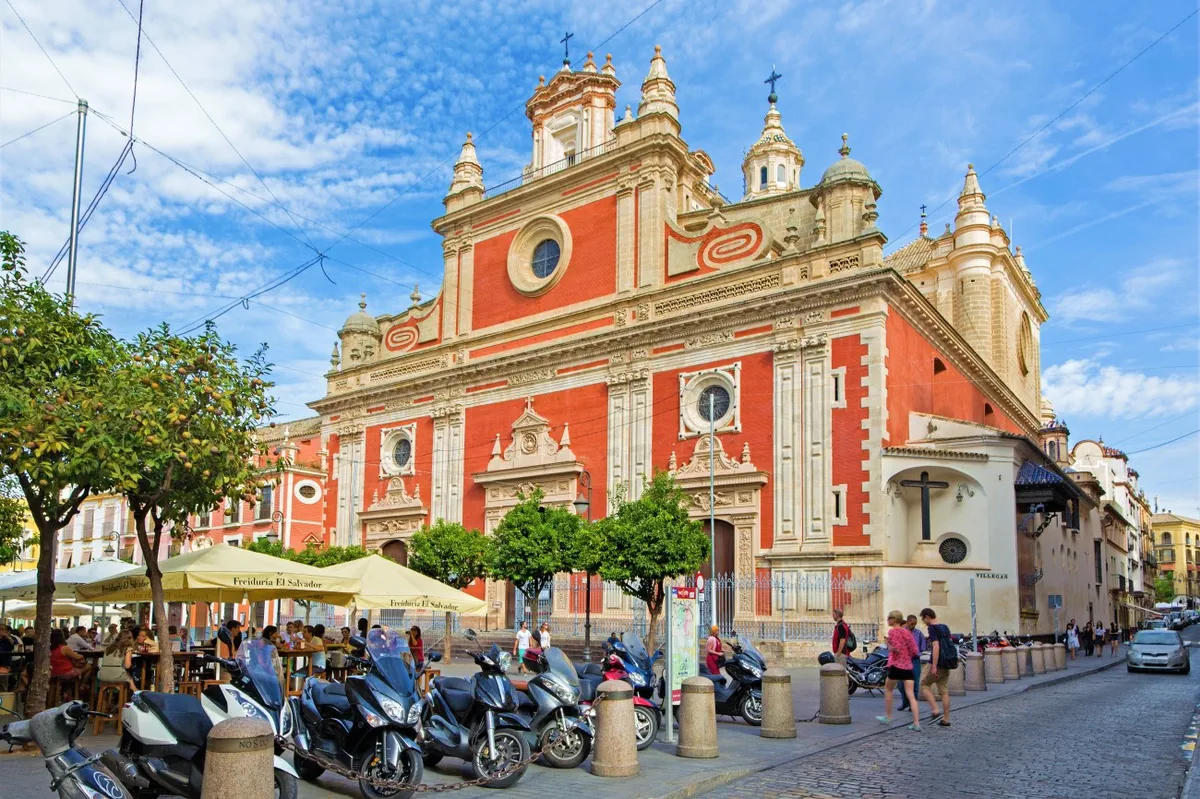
<point>62,689</point>
<point>116,693</point>
<point>191,687</point>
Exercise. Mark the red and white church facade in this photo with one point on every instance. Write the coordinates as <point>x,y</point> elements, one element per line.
<point>607,309</point>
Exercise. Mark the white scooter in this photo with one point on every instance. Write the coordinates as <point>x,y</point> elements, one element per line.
<point>164,736</point>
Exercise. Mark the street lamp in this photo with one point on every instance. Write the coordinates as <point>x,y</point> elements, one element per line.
<point>110,551</point>
<point>583,506</point>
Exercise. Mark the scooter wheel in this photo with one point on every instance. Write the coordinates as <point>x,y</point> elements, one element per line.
<point>309,770</point>
<point>851,687</point>
<point>410,771</point>
<point>645,725</point>
<point>569,748</point>
<point>286,786</point>
<point>512,748</point>
<point>751,708</point>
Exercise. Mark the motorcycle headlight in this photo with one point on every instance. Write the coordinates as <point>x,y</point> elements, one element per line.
<point>636,679</point>
<point>505,661</point>
<point>372,719</point>
<point>755,670</point>
<point>394,709</point>
<point>414,711</point>
<point>561,691</point>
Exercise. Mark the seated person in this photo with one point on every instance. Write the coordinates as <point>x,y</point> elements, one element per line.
<point>65,662</point>
<point>80,641</point>
<point>117,660</point>
<point>144,643</point>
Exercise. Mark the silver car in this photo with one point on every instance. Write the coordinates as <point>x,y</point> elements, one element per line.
<point>1158,650</point>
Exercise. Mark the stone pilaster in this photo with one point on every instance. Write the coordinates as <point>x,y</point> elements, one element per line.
<point>466,286</point>
<point>626,241</point>
<point>349,468</point>
<point>816,434</point>
<point>788,457</point>
<point>448,443</point>
<point>630,408</point>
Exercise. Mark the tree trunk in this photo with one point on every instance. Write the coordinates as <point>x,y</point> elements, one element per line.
<point>448,656</point>
<point>166,661</point>
<point>533,603</point>
<point>35,701</point>
<point>654,607</point>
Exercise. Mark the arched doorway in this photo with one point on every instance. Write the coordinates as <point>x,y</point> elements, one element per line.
<point>722,590</point>
<point>722,554</point>
<point>397,551</point>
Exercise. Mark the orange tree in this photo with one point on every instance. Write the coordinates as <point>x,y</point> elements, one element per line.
<point>58,438</point>
<point>531,544</point>
<point>451,554</point>
<point>191,411</point>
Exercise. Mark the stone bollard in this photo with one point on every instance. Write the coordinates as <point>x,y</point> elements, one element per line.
<point>835,699</point>
<point>1025,660</point>
<point>778,715</point>
<point>1010,666</point>
<point>1060,657</point>
<point>615,753</point>
<point>993,665</point>
<point>1038,656</point>
<point>239,762</point>
<point>697,719</point>
<point>973,679</point>
<point>958,680</point>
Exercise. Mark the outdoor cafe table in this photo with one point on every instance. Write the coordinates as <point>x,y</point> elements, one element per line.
<point>285,671</point>
<point>145,663</point>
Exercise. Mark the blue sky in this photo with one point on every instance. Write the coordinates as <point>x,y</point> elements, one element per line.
<point>351,113</point>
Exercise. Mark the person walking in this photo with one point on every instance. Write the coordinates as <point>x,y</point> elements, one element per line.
<point>521,644</point>
<point>1072,640</point>
<point>416,645</point>
<point>902,649</point>
<point>544,635</point>
<point>918,638</point>
<point>1100,638</point>
<point>941,654</point>
<point>841,637</point>
<point>1088,639</point>
<point>1114,639</point>
<point>712,651</point>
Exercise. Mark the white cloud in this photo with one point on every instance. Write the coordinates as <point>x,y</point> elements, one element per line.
<point>1086,387</point>
<point>1137,291</point>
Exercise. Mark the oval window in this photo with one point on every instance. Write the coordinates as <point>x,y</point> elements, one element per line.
<point>545,258</point>
<point>307,491</point>
<point>713,403</point>
<point>953,550</point>
<point>403,453</point>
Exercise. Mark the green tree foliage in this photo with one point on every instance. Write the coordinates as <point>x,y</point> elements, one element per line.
<point>192,409</point>
<point>450,554</point>
<point>531,544</point>
<point>12,528</point>
<point>311,555</point>
<point>58,438</point>
<point>1164,589</point>
<point>648,541</point>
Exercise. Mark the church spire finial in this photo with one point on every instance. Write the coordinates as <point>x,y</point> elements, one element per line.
<point>566,43</point>
<point>845,148</point>
<point>773,98</point>
<point>924,224</point>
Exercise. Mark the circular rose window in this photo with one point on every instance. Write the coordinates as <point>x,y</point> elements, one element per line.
<point>953,550</point>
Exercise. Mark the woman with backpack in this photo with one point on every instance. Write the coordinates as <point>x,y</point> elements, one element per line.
<point>843,639</point>
<point>901,651</point>
<point>943,659</point>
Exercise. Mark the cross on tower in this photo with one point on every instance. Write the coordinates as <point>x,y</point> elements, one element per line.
<point>924,484</point>
<point>772,97</point>
<point>566,43</point>
<point>922,211</point>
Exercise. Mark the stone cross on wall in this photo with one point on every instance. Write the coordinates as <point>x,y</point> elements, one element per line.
<point>924,484</point>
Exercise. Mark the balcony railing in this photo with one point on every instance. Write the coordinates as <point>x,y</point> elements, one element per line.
<point>549,169</point>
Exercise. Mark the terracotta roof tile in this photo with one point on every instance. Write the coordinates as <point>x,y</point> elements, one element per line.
<point>911,256</point>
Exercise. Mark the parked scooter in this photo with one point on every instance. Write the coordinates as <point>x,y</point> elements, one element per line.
<point>639,666</point>
<point>647,714</point>
<point>868,673</point>
<point>165,736</point>
<point>476,720</point>
<point>550,700</point>
<point>74,772</point>
<point>741,693</point>
<point>370,724</point>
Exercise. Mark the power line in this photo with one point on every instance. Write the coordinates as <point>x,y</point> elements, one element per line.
<point>35,94</point>
<point>1190,412</point>
<point>1163,444</point>
<point>1064,112</point>
<point>35,130</point>
<point>43,49</point>
<point>204,111</point>
<point>1114,335</point>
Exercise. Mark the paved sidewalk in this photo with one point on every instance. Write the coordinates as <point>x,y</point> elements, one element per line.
<point>663,775</point>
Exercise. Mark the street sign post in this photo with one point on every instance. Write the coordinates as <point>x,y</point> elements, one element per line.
<point>683,620</point>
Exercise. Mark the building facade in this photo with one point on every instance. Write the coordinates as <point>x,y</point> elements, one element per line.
<point>610,312</point>
<point>1177,545</point>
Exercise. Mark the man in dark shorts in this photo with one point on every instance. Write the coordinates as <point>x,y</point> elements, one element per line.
<point>939,639</point>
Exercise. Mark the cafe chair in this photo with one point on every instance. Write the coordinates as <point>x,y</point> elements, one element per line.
<point>111,698</point>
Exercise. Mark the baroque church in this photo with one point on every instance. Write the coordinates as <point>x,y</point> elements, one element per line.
<point>610,313</point>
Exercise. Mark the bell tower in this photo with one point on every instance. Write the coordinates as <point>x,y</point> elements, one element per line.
<point>573,113</point>
<point>772,164</point>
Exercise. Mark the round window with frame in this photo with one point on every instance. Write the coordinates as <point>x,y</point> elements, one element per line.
<point>709,401</point>
<point>539,255</point>
<point>397,450</point>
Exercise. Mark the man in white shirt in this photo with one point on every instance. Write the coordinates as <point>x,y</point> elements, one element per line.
<point>79,641</point>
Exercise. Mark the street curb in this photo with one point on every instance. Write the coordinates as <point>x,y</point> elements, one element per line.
<point>726,777</point>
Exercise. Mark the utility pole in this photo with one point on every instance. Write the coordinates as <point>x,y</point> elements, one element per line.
<point>76,186</point>
<point>712,510</point>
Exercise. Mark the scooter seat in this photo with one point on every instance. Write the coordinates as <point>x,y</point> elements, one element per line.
<point>182,714</point>
<point>526,704</point>
<point>453,684</point>
<point>330,695</point>
<point>589,670</point>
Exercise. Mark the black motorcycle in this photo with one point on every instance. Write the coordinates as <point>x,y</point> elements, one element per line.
<point>741,693</point>
<point>476,720</point>
<point>74,772</point>
<point>370,724</point>
<point>868,673</point>
<point>550,700</point>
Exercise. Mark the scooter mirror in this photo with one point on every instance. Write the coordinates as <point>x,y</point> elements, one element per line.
<point>469,634</point>
<point>357,642</point>
<point>434,656</point>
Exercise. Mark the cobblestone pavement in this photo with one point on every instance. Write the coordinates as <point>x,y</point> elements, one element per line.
<point>1111,734</point>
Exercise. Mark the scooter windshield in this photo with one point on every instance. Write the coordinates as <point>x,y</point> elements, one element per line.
<point>748,649</point>
<point>561,665</point>
<point>258,661</point>
<point>636,649</point>
<point>391,658</point>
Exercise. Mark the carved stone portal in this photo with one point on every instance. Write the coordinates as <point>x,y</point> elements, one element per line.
<point>395,516</point>
<point>736,499</point>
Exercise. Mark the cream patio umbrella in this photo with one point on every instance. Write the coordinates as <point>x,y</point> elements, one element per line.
<point>23,585</point>
<point>225,574</point>
<point>385,584</point>
<point>62,609</point>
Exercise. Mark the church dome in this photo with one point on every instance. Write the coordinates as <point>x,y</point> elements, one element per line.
<point>360,321</point>
<point>845,168</point>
